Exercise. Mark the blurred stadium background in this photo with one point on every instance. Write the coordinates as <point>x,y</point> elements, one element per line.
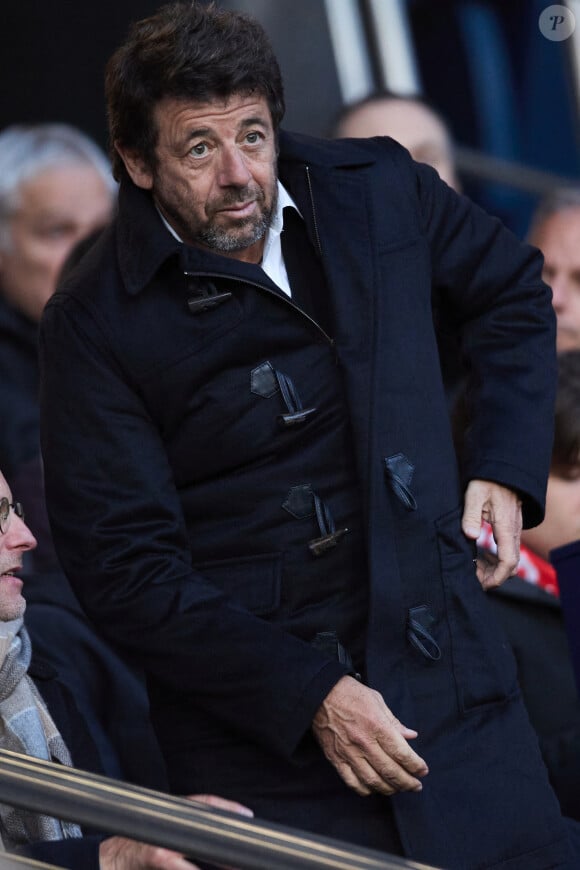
<point>508,93</point>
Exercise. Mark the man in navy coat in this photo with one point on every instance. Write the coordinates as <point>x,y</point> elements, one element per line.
<point>249,466</point>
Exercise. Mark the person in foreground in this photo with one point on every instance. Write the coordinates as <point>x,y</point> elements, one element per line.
<point>249,466</point>
<point>36,713</point>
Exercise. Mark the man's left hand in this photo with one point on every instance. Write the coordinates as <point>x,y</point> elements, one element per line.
<point>120,853</point>
<point>502,509</point>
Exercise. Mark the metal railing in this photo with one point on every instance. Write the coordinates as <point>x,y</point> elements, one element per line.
<point>483,167</point>
<point>17,862</point>
<point>205,833</point>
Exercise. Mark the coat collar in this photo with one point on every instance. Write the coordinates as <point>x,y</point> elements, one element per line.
<point>329,153</point>
<point>144,244</point>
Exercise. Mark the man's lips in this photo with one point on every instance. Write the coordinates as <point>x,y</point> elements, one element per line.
<point>240,209</point>
<point>11,581</point>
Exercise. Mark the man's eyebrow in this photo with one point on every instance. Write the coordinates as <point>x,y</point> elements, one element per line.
<point>196,133</point>
<point>251,122</point>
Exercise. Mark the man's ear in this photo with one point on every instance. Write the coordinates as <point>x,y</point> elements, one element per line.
<point>136,166</point>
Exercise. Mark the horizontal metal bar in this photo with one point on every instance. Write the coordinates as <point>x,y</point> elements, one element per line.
<point>18,862</point>
<point>474,163</point>
<point>205,833</point>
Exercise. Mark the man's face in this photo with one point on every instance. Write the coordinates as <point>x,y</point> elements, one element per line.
<point>558,237</point>
<point>562,521</point>
<point>13,544</point>
<point>414,126</point>
<point>215,178</point>
<point>56,209</point>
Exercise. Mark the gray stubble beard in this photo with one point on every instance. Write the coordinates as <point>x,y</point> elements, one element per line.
<point>226,241</point>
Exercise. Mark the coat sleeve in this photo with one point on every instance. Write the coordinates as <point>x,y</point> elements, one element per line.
<point>74,854</point>
<point>120,533</point>
<point>490,289</point>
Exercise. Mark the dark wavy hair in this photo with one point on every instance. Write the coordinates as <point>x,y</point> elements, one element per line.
<point>191,51</point>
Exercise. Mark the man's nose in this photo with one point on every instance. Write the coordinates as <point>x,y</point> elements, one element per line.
<point>233,171</point>
<point>19,536</point>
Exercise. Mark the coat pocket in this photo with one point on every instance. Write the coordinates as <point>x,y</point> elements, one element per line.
<point>483,663</point>
<point>252,581</point>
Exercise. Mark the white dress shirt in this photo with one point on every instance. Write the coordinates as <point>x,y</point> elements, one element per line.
<point>272,259</point>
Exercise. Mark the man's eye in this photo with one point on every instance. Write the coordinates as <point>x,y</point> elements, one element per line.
<point>199,150</point>
<point>253,137</point>
<point>54,232</point>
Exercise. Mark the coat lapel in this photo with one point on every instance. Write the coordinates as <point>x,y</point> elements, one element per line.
<point>333,202</point>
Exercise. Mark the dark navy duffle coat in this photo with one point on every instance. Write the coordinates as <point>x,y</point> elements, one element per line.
<point>184,508</point>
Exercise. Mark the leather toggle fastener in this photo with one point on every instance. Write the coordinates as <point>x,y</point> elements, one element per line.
<point>296,418</point>
<point>329,534</point>
<point>318,546</point>
<point>296,413</point>
<point>302,502</point>
<point>420,625</point>
<point>399,471</point>
<point>207,296</point>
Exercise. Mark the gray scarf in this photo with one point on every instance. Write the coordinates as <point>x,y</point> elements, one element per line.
<point>27,727</point>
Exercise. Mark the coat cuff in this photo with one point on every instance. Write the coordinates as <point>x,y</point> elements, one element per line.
<point>531,491</point>
<point>312,697</point>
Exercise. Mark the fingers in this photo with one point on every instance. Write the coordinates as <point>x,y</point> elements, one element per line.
<point>506,531</point>
<point>352,779</point>
<point>367,767</point>
<point>157,858</point>
<point>222,804</point>
<point>475,497</point>
<point>501,507</point>
<point>121,853</point>
<point>399,767</point>
<point>494,575</point>
<point>362,777</point>
<point>164,859</point>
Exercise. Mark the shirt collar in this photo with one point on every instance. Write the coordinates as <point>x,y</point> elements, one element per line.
<point>284,200</point>
<point>142,247</point>
<point>167,224</point>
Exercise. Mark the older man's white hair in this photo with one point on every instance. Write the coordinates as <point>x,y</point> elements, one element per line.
<point>27,150</point>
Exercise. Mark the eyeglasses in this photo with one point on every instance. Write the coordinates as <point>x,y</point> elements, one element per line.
<point>5,514</point>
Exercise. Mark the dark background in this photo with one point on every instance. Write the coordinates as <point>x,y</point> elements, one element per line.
<point>53,55</point>
<point>503,87</point>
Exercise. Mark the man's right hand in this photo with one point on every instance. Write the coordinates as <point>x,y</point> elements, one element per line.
<point>364,741</point>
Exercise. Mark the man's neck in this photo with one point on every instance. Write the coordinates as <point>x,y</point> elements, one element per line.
<point>252,254</point>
